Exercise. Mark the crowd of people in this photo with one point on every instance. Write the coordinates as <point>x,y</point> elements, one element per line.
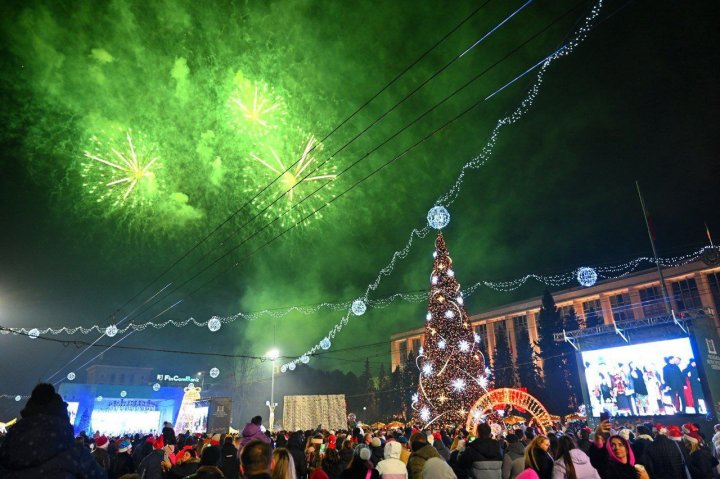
<point>42,445</point>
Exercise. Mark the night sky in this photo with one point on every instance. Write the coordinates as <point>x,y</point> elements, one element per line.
<point>638,100</point>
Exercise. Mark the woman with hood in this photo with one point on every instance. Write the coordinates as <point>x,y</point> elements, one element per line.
<point>571,462</point>
<point>614,459</point>
<point>42,445</point>
<point>253,431</point>
<point>360,466</point>
<point>392,467</point>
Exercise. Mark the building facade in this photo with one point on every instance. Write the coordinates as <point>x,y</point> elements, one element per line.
<point>638,295</point>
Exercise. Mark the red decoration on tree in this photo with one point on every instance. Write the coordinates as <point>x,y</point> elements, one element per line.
<point>452,367</point>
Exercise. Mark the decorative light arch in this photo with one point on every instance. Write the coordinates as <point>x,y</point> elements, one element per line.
<point>503,396</point>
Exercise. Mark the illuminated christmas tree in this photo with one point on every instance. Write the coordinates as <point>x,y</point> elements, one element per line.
<point>452,367</point>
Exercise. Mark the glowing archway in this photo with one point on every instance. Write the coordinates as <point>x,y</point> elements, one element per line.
<point>503,396</point>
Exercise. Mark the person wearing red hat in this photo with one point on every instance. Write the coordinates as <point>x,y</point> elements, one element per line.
<point>185,464</point>
<point>100,454</point>
<point>151,466</point>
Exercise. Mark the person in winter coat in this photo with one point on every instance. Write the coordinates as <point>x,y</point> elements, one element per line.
<point>209,464</point>
<point>229,464</point>
<point>664,458</point>
<point>537,457</point>
<point>437,468</point>
<point>329,469</point>
<point>100,454</point>
<point>392,467</point>
<point>361,467</point>
<point>701,463</point>
<point>571,462</point>
<point>378,453</point>
<point>186,463</point>
<point>438,444</point>
<point>514,458</point>
<point>123,463</point>
<point>422,451</point>
<point>614,459</point>
<point>169,434</point>
<point>252,432</point>
<point>41,444</point>
<point>151,466</point>
<point>482,457</point>
<point>640,445</point>
<point>295,446</point>
<point>346,454</point>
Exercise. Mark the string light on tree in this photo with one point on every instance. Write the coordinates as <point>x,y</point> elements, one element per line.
<point>359,307</point>
<point>214,324</point>
<point>214,373</point>
<point>427,369</point>
<point>438,217</point>
<point>587,276</point>
<point>450,344</point>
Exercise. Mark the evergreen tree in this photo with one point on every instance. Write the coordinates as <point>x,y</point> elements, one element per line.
<point>527,369</point>
<point>593,317</point>
<point>370,414</point>
<point>503,366</point>
<point>409,385</point>
<point>561,383</point>
<point>383,395</point>
<point>452,367</point>
<point>395,395</point>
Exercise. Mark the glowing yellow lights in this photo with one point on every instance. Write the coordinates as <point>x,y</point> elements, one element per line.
<point>127,168</point>
<point>257,109</point>
<point>442,398</point>
<point>441,299</point>
<point>292,177</point>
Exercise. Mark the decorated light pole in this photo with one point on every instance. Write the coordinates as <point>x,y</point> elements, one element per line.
<point>272,355</point>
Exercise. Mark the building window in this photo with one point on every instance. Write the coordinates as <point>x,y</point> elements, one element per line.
<point>621,307</point>
<point>593,313</point>
<point>112,378</point>
<point>686,295</point>
<point>416,346</point>
<point>714,280</point>
<point>501,329</point>
<point>520,323</point>
<point>569,316</point>
<point>403,352</point>
<point>652,302</point>
<point>481,330</point>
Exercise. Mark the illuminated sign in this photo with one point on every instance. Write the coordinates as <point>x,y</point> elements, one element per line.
<point>177,379</point>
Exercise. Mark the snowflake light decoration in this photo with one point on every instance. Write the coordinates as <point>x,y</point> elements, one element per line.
<point>214,372</point>
<point>438,217</point>
<point>71,376</point>
<point>587,276</point>
<point>214,324</point>
<point>359,307</point>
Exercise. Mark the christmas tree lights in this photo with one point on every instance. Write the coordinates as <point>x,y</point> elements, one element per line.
<point>452,367</point>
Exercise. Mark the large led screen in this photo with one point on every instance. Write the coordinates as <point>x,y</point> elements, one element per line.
<point>648,379</point>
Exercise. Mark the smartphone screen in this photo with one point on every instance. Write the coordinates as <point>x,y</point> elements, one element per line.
<point>322,447</point>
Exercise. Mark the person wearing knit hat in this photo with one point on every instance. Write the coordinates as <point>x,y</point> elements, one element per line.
<point>123,463</point>
<point>186,464</point>
<point>332,441</point>
<point>42,444</point>
<point>378,453</point>
<point>100,454</point>
<point>422,451</point>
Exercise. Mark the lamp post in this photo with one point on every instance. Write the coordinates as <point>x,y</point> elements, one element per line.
<point>272,355</point>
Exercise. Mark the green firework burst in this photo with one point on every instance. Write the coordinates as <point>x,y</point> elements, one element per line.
<point>303,172</point>
<point>255,107</point>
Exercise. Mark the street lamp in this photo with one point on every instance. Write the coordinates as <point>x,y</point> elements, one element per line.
<point>272,355</point>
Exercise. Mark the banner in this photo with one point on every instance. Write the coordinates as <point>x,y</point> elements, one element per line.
<point>707,346</point>
<point>308,412</point>
<point>219,415</point>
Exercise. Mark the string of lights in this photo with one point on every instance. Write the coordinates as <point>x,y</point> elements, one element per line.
<point>479,160</point>
<point>215,323</point>
<point>556,280</point>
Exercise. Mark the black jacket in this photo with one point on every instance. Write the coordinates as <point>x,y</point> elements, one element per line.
<point>207,472</point>
<point>297,451</point>
<point>701,464</point>
<point>41,447</point>
<point>181,471</point>
<point>123,464</point>
<point>481,449</point>
<point>664,459</point>
<point>229,464</point>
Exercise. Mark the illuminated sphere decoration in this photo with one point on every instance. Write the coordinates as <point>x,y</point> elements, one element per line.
<point>156,387</point>
<point>123,394</point>
<point>111,331</point>
<point>586,276</point>
<point>33,333</point>
<point>283,368</point>
<point>415,397</point>
<point>18,398</point>
<point>291,366</point>
<point>214,372</point>
<point>438,217</point>
<point>359,307</point>
<point>214,324</point>
<point>325,343</point>
<point>304,359</point>
<point>71,376</point>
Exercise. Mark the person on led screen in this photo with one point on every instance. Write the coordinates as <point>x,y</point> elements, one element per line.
<point>674,382</point>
